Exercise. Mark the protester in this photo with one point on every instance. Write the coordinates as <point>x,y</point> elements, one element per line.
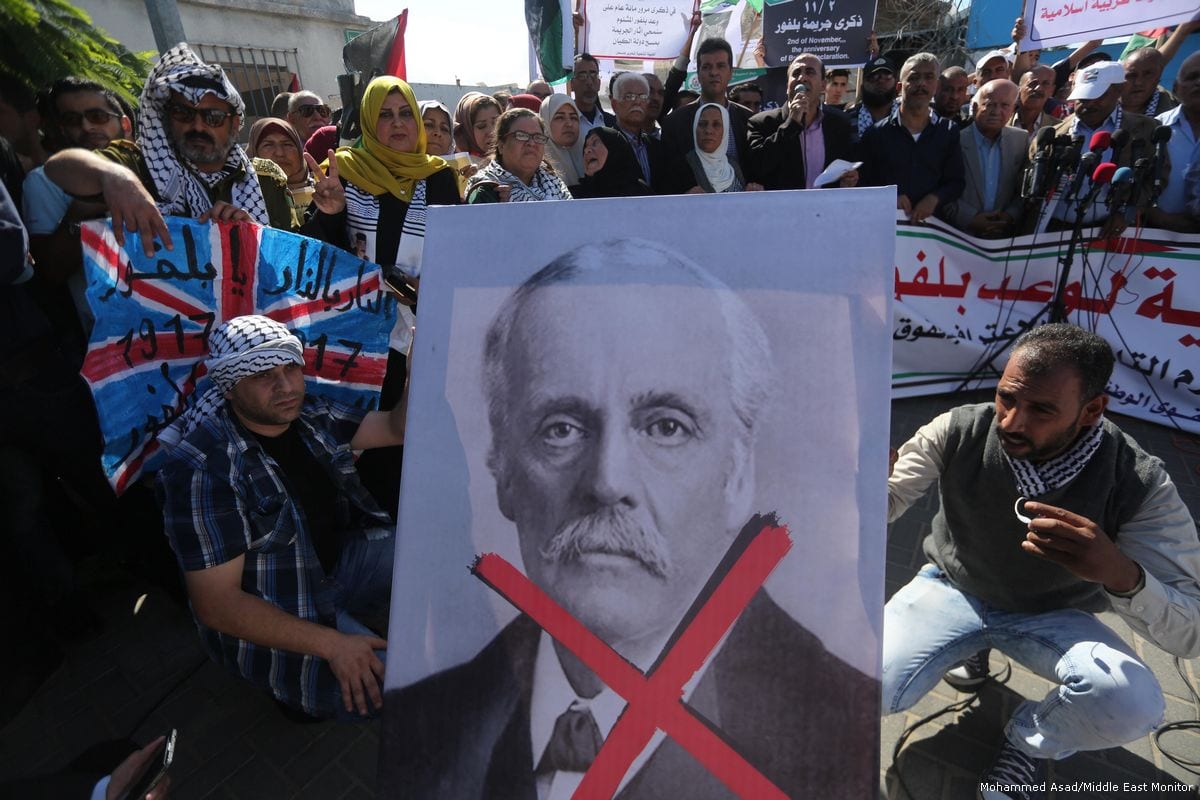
<point>475,124</point>
<point>1143,70</point>
<point>707,167</point>
<point>610,167</point>
<point>585,83</point>
<point>950,102</point>
<point>308,113</point>
<point>19,123</point>
<point>1034,90</point>
<point>749,95</point>
<point>654,106</point>
<point>630,95</point>
<point>539,89</point>
<point>518,171</point>
<point>876,95</point>
<point>714,65</point>
<point>321,142</point>
<point>565,148</point>
<point>276,140</point>
<point>837,84</point>
<point>1179,204</point>
<point>439,128</point>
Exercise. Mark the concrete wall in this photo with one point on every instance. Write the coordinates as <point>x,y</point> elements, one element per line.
<point>314,27</point>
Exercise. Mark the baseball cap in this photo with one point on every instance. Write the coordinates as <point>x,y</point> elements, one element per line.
<point>1005,54</point>
<point>1093,81</point>
<point>879,63</point>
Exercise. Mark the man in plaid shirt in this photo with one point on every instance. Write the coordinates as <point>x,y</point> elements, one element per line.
<point>283,550</point>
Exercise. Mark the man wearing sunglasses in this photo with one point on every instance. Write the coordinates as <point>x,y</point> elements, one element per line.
<point>186,161</point>
<point>308,113</point>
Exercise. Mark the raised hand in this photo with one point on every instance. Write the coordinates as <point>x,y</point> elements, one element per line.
<point>329,195</point>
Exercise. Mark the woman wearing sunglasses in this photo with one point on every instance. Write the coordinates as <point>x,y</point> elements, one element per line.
<point>518,171</point>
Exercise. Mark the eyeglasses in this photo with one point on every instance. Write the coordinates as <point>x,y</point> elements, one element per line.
<point>307,111</point>
<point>522,136</point>
<point>212,117</point>
<point>96,116</point>
<point>630,97</point>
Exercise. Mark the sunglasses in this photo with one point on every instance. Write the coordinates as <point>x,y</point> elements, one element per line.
<point>307,111</point>
<point>212,117</point>
<point>522,136</point>
<point>96,116</point>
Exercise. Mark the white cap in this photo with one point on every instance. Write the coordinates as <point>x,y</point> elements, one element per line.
<point>1005,54</point>
<point>1094,80</point>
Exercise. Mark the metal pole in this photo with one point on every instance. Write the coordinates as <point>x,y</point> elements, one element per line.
<point>166,24</point>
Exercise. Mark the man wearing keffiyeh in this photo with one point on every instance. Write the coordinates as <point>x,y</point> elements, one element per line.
<point>286,557</point>
<point>186,161</point>
<point>1048,514</point>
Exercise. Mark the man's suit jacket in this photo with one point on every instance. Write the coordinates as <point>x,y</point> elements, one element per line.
<point>677,136</point>
<point>807,720</point>
<point>776,154</point>
<point>1013,159</point>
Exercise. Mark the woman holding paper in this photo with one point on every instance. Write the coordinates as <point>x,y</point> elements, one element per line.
<point>707,168</point>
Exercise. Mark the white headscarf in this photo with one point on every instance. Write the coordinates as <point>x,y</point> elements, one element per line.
<point>569,160</point>
<point>716,164</point>
<point>183,190</point>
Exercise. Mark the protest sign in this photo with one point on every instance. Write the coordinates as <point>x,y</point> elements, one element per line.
<point>653,30</point>
<point>739,22</point>
<point>1053,22</point>
<point>619,435</point>
<point>961,301</point>
<point>153,316</point>
<point>835,31</point>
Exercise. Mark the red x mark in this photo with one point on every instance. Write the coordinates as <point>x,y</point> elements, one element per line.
<point>655,700</point>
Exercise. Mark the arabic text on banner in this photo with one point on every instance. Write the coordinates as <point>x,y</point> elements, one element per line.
<point>646,29</point>
<point>153,317</point>
<point>1054,22</point>
<point>835,31</point>
<point>960,300</point>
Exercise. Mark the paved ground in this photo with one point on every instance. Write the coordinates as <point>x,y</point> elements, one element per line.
<point>145,673</point>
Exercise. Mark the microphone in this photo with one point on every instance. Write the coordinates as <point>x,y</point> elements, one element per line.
<point>1087,163</point>
<point>1101,141</point>
<point>1160,137</point>
<point>801,91</point>
<point>1036,176</point>
<point>1119,139</point>
<point>1122,189</point>
<point>1101,177</point>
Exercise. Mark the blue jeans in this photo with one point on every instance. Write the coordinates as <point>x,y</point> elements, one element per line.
<point>362,582</point>
<point>1106,696</point>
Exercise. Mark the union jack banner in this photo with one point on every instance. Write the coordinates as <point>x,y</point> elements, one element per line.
<point>153,316</point>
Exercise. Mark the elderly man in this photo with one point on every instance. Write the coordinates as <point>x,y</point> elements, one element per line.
<point>1097,96</point>
<point>1097,525</point>
<point>876,95</point>
<point>624,455</point>
<point>630,96</point>
<point>911,150</point>
<point>791,146</point>
<point>1036,87</point>
<point>950,102</point>
<point>1179,204</point>
<point>186,161</point>
<point>714,65</point>
<point>1143,70</point>
<point>539,89</point>
<point>308,113</point>
<point>994,160</point>
<point>285,555</point>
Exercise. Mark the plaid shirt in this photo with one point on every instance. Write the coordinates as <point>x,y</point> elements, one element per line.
<point>224,497</point>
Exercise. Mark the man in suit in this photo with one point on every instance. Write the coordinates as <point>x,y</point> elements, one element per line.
<point>1097,96</point>
<point>624,455</point>
<point>714,64</point>
<point>790,146</point>
<point>994,160</point>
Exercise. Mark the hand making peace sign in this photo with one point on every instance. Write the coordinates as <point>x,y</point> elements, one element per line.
<point>329,195</point>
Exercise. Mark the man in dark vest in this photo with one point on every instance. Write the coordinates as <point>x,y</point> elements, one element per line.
<point>1049,513</point>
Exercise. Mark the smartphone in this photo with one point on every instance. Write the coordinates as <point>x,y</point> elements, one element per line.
<point>154,772</point>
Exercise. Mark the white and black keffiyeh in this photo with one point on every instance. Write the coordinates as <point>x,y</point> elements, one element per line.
<point>544,186</point>
<point>238,348</point>
<point>1035,480</point>
<point>185,190</point>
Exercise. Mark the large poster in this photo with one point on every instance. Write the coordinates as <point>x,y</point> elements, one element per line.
<point>960,302</point>
<point>640,548</point>
<point>648,29</point>
<point>835,31</point>
<point>1053,22</point>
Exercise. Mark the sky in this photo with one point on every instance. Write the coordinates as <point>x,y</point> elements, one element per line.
<point>474,40</point>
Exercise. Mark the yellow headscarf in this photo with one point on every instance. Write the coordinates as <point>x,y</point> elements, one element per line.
<point>373,166</point>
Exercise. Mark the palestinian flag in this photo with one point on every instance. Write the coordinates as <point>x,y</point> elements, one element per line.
<point>552,35</point>
<point>378,51</point>
<point>1143,39</point>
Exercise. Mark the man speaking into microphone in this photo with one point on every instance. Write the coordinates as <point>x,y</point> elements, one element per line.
<point>790,147</point>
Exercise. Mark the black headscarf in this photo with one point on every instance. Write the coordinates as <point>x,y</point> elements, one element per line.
<point>621,176</point>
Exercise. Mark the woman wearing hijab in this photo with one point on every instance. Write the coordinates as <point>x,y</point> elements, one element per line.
<point>518,171</point>
<point>560,115</point>
<point>474,122</point>
<point>372,202</point>
<point>610,167</point>
<point>707,168</point>
<point>439,128</point>
<point>276,140</point>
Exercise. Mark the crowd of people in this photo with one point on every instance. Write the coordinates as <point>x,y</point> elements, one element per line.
<point>955,144</point>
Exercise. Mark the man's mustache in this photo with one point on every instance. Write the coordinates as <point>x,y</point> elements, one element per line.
<point>610,530</point>
<point>197,136</point>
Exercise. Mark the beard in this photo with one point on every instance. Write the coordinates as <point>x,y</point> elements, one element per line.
<point>202,149</point>
<point>610,530</point>
<point>874,98</point>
